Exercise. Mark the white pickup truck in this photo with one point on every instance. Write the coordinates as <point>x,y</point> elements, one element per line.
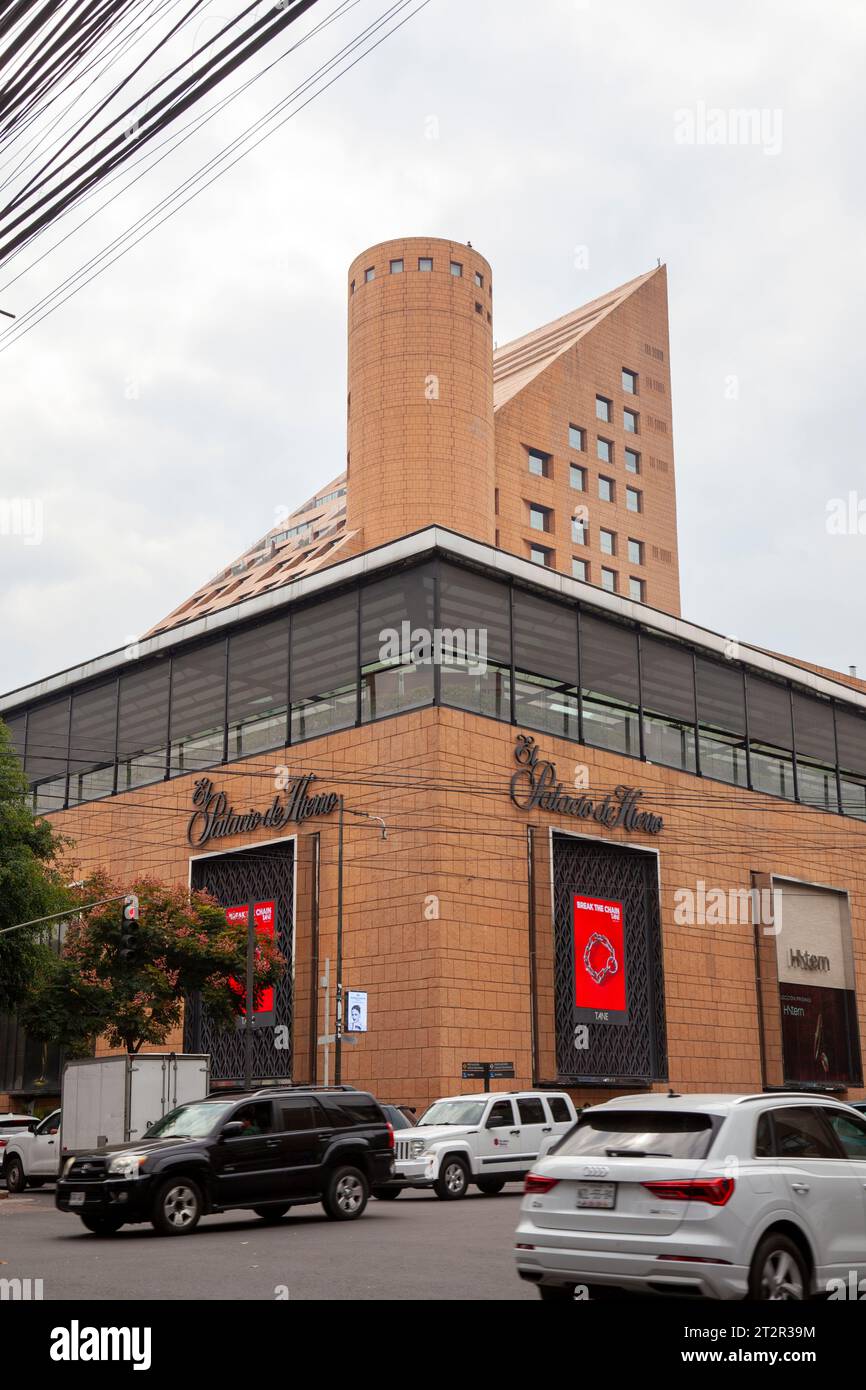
<point>488,1139</point>
<point>32,1156</point>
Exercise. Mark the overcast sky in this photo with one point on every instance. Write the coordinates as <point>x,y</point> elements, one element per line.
<point>162,416</point>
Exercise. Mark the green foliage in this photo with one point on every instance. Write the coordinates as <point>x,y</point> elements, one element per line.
<point>182,944</point>
<point>31,884</point>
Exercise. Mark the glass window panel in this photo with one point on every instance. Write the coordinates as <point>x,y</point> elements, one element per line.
<point>817,785</point>
<point>723,756</point>
<point>771,772</point>
<point>769,712</point>
<point>608,654</point>
<point>198,708</point>
<point>667,677</point>
<point>669,742</point>
<point>853,797</point>
<point>471,602</point>
<point>813,728</point>
<point>94,717</point>
<point>258,687</point>
<point>397,643</point>
<point>545,658</point>
<point>16,724</point>
<point>721,702</point>
<point>142,726</point>
<point>47,739</point>
<point>545,637</point>
<point>851,734</point>
<point>324,666</point>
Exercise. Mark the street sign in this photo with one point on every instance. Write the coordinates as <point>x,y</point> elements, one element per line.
<point>487,1071</point>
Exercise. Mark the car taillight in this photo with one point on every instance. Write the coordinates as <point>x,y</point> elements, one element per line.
<point>391,1140</point>
<point>536,1183</point>
<point>716,1191</point>
<point>3,1143</point>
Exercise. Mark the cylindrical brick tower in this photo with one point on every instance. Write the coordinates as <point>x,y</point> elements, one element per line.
<point>420,407</point>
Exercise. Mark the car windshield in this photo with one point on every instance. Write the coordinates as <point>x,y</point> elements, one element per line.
<point>453,1112</point>
<point>638,1134</point>
<point>189,1121</point>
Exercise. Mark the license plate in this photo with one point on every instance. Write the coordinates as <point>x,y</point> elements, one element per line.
<point>76,1199</point>
<point>596,1194</point>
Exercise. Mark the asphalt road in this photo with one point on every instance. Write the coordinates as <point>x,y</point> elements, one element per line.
<point>417,1248</point>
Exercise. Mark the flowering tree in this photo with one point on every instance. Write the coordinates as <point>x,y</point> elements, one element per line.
<point>181,944</point>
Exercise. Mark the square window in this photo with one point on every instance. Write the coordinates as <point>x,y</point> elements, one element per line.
<point>479,307</point>
<point>539,517</point>
<point>397,267</point>
<point>608,580</point>
<point>635,552</point>
<point>539,463</point>
<point>636,589</point>
<point>607,542</point>
<point>604,450</point>
<point>629,381</point>
<point>605,488</point>
<point>479,279</point>
<point>425,262</point>
<point>580,569</point>
<point>602,408</point>
<point>456,268</point>
<point>633,499</point>
<point>576,438</point>
<point>539,556</point>
<point>579,532</point>
<point>370,273</point>
<point>577,477</point>
<point>630,421</point>
<point>632,461</point>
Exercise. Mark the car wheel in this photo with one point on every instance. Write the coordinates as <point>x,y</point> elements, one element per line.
<point>556,1293</point>
<point>271,1215</point>
<point>453,1179</point>
<point>346,1194</point>
<point>177,1207</point>
<point>102,1225</point>
<point>15,1179</point>
<point>490,1186</point>
<point>778,1272</point>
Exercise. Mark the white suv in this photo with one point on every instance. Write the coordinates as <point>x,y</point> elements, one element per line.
<point>759,1196</point>
<point>32,1156</point>
<point>489,1139</point>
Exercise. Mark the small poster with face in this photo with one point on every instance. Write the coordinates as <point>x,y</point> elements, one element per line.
<point>356,1011</point>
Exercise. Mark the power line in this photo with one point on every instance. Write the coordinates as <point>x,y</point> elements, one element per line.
<point>24,325</point>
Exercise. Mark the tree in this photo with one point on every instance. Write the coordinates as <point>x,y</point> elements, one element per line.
<point>31,883</point>
<point>182,943</point>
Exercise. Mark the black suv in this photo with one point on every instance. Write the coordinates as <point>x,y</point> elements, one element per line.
<point>266,1150</point>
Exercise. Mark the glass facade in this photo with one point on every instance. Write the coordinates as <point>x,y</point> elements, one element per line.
<point>438,632</point>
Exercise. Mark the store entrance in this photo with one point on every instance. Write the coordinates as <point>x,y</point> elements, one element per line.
<point>263,874</point>
<point>607,961</point>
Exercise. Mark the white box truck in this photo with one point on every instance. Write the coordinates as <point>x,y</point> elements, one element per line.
<point>109,1101</point>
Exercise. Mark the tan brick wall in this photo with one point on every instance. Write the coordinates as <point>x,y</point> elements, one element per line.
<point>420,409</point>
<point>634,336</point>
<point>456,987</point>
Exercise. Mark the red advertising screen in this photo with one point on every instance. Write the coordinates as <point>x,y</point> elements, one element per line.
<point>264,916</point>
<point>599,960</point>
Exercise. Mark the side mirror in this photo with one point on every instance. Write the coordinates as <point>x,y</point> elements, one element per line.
<point>496,1121</point>
<point>33,1126</point>
<point>232,1130</point>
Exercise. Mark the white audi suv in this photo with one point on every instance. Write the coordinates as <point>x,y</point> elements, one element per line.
<point>716,1196</point>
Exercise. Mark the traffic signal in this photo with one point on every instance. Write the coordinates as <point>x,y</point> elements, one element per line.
<point>128,928</point>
